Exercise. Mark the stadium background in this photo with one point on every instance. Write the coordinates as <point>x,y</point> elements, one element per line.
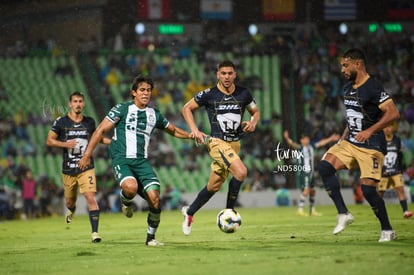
<point>50,48</point>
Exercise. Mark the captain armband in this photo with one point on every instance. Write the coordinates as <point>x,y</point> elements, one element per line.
<point>252,105</point>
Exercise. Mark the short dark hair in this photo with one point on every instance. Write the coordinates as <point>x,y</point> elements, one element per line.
<point>76,93</point>
<point>226,63</point>
<point>354,54</point>
<point>140,79</point>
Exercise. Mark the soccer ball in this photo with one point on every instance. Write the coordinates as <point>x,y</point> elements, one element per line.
<point>228,220</point>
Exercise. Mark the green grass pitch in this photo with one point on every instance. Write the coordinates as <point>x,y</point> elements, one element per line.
<point>270,241</point>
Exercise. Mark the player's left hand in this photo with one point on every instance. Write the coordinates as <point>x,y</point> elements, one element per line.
<point>363,135</point>
<point>335,137</point>
<point>248,126</point>
<point>84,162</point>
<point>199,137</point>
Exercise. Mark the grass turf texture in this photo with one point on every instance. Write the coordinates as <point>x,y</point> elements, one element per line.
<point>270,241</point>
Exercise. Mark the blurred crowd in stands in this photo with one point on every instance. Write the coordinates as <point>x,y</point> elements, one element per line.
<point>313,55</point>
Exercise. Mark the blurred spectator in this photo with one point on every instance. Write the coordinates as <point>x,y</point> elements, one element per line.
<point>257,181</point>
<point>21,120</point>
<point>190,163</point>
<point>409,114</point>
<point>409,178</point>
<point>176,93</point>
<point>28,195</point>
<point>5,208</point>
<point>171,200</point>
<point>407,141</point>
<point>10,192</point>
<point>64,70</point>
<point>48,191</point>
<point>5,127</point>
<point>112,78</point>
<point>4,97</point>
<point>403,125</point>
<point>283,197</point>
<point>106,189</point>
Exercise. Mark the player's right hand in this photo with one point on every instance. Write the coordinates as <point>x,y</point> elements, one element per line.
<point>84,162</point>
<point>71,143</point>
<point>199,137</point>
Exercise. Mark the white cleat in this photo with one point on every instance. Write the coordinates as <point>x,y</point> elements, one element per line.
<point>387,236</point>
<point>127,210</point>
<point>407,214</point>
<point>188,220</point>
<point>96,238</point>
<point>343,221</point>
<point>69,217</point>
<point>154,242</point>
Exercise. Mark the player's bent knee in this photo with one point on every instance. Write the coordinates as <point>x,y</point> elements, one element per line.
<point>153,198</point>
<point>90,197</point>
<point>155,203</point>
<point>129,188</point>
<point>214,189</point>
<point>325,169</point>
<point>369,191</point>
<point>70,202</point>
<point>238,170</point>
<point>240,174</point>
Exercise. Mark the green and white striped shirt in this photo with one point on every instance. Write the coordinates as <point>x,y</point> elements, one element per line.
<point>133,129</point>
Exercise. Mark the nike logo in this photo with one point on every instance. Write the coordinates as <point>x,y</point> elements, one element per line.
<point>352,93</point>
<point>77,125</point>
<point>227,98</point>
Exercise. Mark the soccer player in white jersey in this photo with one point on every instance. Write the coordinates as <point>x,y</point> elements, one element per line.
<point>307,167</point>
<point>134,121</point>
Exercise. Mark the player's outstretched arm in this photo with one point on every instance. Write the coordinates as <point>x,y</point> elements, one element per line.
<point>177,132</point>
<point>291,143</point>
<point>106,140</point>
<point>324,141</point>
<point>187,112</point>
<point>96,138</point>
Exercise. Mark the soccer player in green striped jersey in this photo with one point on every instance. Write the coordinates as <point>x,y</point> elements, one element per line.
<point>134,122</point>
